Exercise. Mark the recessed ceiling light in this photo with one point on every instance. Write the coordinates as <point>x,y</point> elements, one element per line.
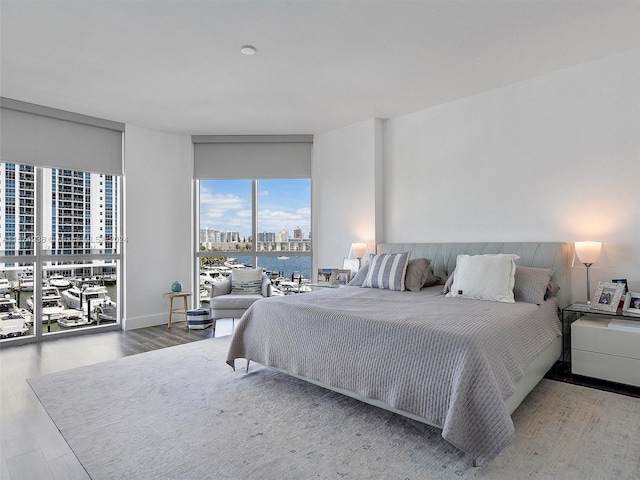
<point>248,50</point>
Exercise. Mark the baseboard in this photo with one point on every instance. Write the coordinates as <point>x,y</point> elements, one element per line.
<point>150,321</point>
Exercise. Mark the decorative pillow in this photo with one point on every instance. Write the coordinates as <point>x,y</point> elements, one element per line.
<point>246,281</point>
<point>531,284</point>
<point>485,277</point>
<point>387,271</point>
<point>359,277</point>
<point>417,273</point>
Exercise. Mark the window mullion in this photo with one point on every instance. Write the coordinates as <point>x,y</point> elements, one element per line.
<point>254,222</point>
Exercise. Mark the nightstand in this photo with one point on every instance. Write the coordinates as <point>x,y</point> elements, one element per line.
<point>604,346</point>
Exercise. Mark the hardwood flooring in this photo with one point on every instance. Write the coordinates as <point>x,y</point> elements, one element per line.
<point>31,447</point>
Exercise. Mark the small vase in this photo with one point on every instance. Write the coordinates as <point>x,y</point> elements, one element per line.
<point>176,287</point>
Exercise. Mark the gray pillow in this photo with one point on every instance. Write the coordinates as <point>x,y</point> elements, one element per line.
<point>417,273</point>
<point>531,284</point>
<point>359,277</point>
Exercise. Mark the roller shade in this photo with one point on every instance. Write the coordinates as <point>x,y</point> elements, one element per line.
<point>252,156</point>
<point>41,136</point>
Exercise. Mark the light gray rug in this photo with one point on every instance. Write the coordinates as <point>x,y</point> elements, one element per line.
<point>182,413</point>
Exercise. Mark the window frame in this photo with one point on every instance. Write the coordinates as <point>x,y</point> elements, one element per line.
<point>41,257</point>
<point>254,253</point>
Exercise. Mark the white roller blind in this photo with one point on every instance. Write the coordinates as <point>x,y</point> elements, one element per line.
<point>41,136</point>
<point>252,156</point>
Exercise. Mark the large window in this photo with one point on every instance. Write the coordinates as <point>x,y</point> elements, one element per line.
<point>254,204</point>
<point>60,253</point>
<point>261,222</point>
<point>60,236</point>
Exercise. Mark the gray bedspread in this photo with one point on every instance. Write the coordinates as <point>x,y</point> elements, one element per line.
<point>450,361</point>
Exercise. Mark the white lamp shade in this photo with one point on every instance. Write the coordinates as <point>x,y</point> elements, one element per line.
<point>588,252</point>
<point>359,249</point>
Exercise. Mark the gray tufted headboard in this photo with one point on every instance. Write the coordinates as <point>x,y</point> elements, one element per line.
<point>543,255</point>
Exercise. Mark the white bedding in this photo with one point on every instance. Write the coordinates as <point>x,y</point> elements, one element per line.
<point>451,361</point>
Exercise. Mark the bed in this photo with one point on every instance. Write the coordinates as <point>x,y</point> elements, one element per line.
<point>460,364</point>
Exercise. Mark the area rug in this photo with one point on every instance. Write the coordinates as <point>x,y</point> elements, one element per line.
<point>182,413</point>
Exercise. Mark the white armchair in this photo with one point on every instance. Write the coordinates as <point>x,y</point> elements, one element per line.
<point>226,304</point>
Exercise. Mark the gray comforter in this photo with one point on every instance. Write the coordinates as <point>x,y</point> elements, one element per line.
<point>451,361</point>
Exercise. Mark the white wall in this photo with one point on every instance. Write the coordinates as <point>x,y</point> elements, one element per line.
<point>158,213</point>
<point>554,158</point>
<point>345,171</point>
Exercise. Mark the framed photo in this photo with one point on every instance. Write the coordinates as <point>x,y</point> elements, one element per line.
<point>622,280</point>
<point>351,264</point>
<point>340,277</point>
<point>631,305</point>
<point>324,275</point>
<point>607,297</point>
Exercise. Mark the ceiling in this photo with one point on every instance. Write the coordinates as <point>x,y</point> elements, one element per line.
<point>176,66</point>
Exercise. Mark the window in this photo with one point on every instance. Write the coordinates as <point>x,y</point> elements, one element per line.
<point>77,265</point>
<point>266,223</point>
<point>54,163</point>
<point>254,204</point>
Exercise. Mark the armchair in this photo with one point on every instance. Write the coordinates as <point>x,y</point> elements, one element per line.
<point>225,303</point>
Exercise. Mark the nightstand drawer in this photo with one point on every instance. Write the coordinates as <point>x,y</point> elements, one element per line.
<point>593,335</point>
<point>606,367</point>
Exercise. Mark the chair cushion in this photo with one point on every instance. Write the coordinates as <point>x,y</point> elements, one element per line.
<point>233,302</point>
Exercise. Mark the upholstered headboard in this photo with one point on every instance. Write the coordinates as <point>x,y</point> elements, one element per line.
<point>543,255</point>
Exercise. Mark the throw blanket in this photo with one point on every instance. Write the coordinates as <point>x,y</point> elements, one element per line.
<point>450,361</point>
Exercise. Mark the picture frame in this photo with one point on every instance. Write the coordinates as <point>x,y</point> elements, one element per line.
<point>622,280</point>
<point>324,276</point>
<point>631,306</point>
<point>607,297</point>
<point>340,277</point>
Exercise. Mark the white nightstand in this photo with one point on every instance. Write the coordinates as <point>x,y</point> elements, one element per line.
<point>602,351</point>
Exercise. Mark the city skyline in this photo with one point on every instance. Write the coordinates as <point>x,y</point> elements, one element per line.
<point>225,205</point>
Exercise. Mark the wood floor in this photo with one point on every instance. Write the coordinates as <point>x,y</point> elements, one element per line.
<point>31,447</point>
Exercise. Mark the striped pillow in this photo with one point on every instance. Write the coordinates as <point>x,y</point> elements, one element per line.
<point>387,271</point>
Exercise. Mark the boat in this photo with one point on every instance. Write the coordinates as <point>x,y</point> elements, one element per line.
<point>79,297</point>
<point>233,263</point>
<point>14,321</point>
<point>106,312</point>
<point>207,277</point>
<point>52,306</point>
<point>59,281</point>
<point>5,285</point>
<point>74,320</point>
<point>283,257</point>
<point>25,283</point>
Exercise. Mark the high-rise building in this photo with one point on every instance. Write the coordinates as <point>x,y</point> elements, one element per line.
<point>79,211</point>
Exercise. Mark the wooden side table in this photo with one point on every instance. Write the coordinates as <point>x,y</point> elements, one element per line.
<point>178,310</point>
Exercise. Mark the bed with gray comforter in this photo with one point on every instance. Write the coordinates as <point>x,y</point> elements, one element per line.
<point>451,362</point>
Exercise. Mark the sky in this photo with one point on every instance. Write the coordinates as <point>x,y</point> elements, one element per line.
<point>282,205</point>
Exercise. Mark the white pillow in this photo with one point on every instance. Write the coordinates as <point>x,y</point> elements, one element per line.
<point>485,277</point>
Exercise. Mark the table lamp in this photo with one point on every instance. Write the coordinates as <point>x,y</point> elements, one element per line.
<point>588,253</point>
<point>359,250</point>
